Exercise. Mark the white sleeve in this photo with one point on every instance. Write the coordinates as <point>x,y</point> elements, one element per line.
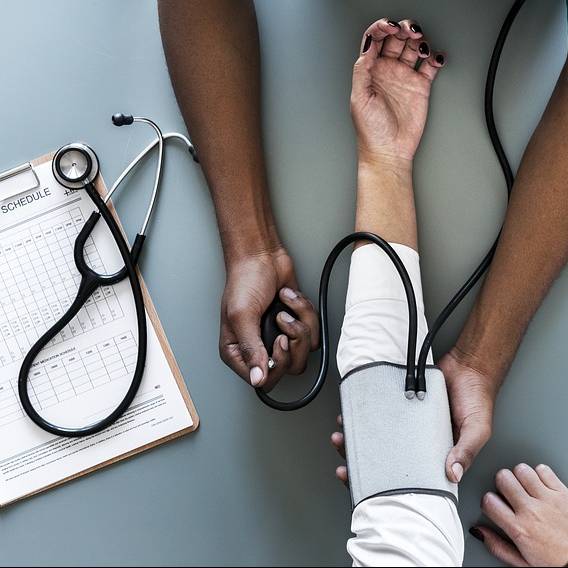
<point>406,530</point>
<point>396,530</point>
<point>375,326</point>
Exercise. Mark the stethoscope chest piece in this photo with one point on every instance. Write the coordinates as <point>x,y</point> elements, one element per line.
<point>75,165</point>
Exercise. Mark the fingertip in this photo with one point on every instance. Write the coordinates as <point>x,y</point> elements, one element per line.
<point>504,550</point>
<point>440,59</point>
<point>487,499</point>
<point>256,376</point>
<point>393,24</point>
<point>374,36</point>
<point>457,470</point>
<point>285,317</point>
<point>416,29</point>
<point>423,50</point>
<point>477,533</point>
<point>521,468</point>
<point>367,44</point>
<point>542,468</point>
<point>453,465</point>
<point>341,473</point>
<point>411,29</point>
<point>431,65</point>
<point>549,477</point>
<point>337,439</point>
<point>284,343</point>
<point>287,293</point>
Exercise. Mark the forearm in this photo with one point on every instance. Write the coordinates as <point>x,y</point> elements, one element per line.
<point>375,296</point>
<point>532,250</point>
<point>212,51</point>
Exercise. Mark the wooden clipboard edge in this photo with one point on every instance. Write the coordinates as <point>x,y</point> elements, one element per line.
<point>170,357</point>
<point>104,464</point>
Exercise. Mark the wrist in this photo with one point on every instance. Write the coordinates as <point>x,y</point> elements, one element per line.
<point>490,337</point>
<point>380,166</point>
<point>471,355</point>
<point>384,178</point>
<point>250,240</point>
<point>245,220</point>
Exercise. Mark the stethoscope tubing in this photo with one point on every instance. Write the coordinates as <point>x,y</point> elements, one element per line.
<point>90,281</point>
<point>143,153</point>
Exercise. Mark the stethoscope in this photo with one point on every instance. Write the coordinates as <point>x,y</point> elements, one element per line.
<point>76,167</point>
<point>415,382</point>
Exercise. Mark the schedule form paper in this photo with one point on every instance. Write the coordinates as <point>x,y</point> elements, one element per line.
<point>88,366</point>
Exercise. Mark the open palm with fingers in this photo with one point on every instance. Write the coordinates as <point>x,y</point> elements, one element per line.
<point>531,508</point>
<point>391,89</point>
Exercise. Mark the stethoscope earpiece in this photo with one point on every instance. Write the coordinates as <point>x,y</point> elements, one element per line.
<point>120,119</point>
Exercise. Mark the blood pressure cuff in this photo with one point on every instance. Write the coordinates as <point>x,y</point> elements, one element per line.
<point>395,445</point>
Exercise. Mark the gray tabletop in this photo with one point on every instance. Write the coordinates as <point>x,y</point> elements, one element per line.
<point>253,486</point>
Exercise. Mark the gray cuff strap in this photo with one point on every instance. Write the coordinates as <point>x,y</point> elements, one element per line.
<point>395,445</point>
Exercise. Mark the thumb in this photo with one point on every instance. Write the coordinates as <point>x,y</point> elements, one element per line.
<point>473,435</point>
<point>246,328</point>
<point>502,549</point>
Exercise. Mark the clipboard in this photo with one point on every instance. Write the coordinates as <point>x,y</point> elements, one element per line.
<point>8,189</point>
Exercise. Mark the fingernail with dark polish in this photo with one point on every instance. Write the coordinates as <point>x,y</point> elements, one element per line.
<point>393,24</point>
<point>415,28</point>
<point>476,533</point>
<point>424,49</point>
<point>367,44</point>
<point>440,59</point>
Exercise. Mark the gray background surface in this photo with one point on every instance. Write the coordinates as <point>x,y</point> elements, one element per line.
<point>254,486</point>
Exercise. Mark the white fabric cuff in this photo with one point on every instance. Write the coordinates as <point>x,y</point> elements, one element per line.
<point>375,326</point>
<point>372,275</point>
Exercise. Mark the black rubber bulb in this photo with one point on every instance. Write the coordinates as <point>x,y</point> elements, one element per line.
<point>269,329</point>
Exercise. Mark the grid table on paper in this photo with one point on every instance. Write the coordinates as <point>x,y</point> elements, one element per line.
<point>71,374</point>
<point>39,281</point>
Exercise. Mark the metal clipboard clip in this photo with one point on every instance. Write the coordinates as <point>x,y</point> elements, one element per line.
<point>18,180</point>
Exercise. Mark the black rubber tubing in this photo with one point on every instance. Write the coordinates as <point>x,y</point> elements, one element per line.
<point>90,281</point>
<point>324,328</point>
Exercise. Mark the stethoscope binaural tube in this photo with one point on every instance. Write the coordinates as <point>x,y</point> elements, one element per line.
<point>76,166</point>
<point>415,372</point>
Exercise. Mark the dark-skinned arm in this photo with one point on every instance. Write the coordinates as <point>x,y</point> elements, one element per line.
<point>532,251</point>
<point>212,51</point>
